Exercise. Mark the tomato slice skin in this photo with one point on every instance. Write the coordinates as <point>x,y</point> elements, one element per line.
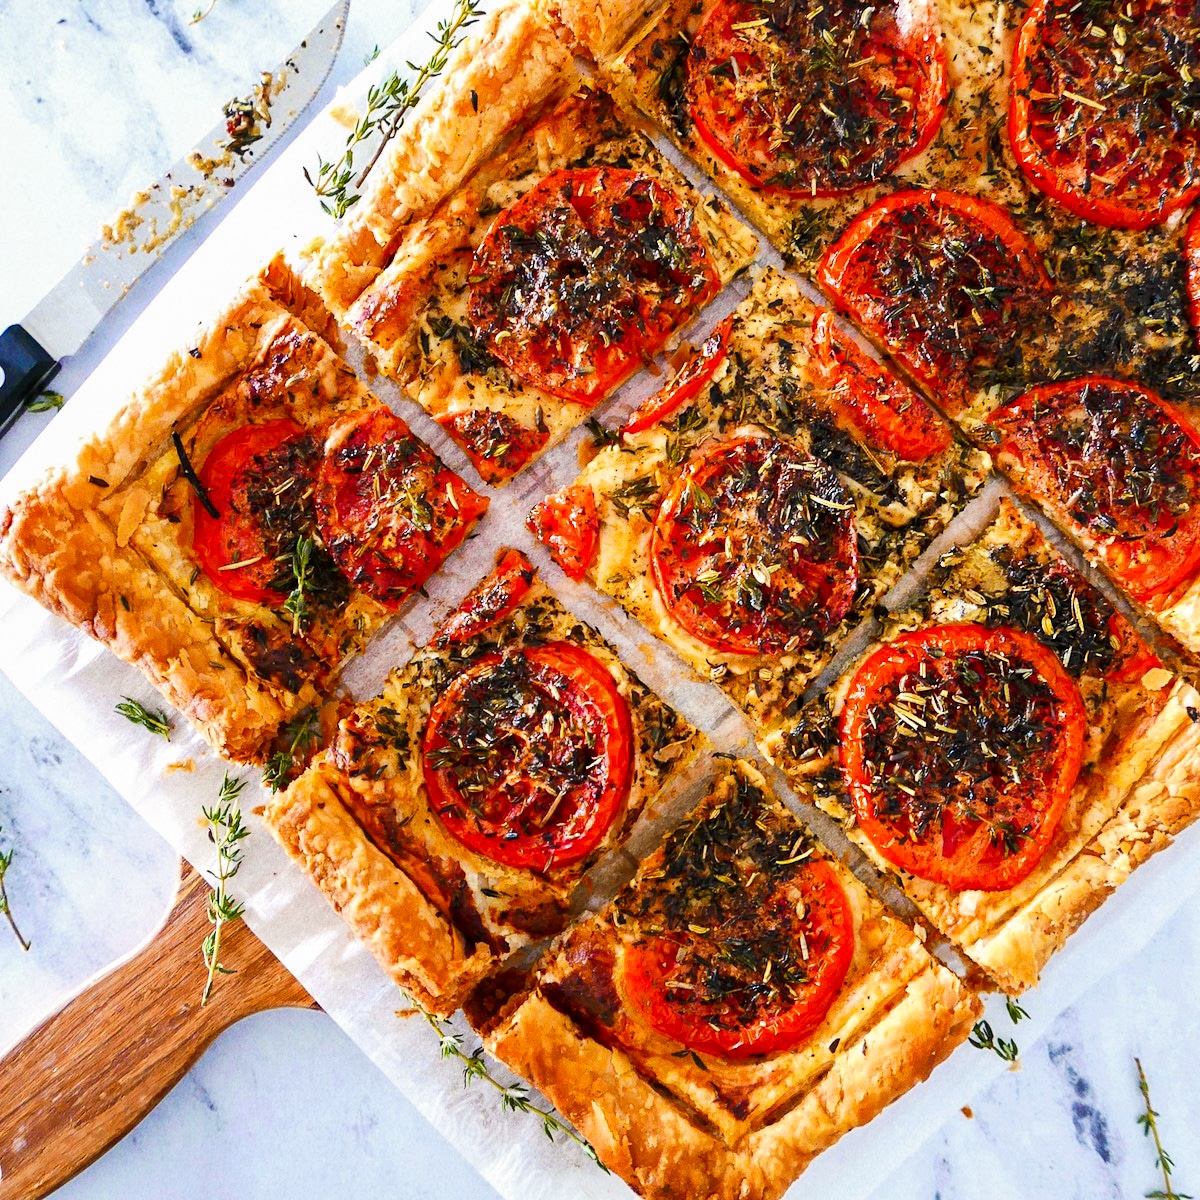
<point>707,1025</point>
<point>753,68</point>
<point>1118,465</point>
<point>1191,260</point>
<point>945,282</point>
<point>388,511</point>
<point>237,475</point>
<point>585,275</point>
<point>754,548</point>
<point>1093,122</point>
<point>567,523</point>
<point>687,382</point>
<point>962,819</point>
<point>489,601</point>
<point>882,408</point>
<point>497,444</point>
<point>485,747</point>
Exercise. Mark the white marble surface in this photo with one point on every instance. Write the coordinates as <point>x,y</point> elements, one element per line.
<point>96,98</point>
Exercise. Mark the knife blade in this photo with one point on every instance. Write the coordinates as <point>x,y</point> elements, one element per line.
<point>62,321</point>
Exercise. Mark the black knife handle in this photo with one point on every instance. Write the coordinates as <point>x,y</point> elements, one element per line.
<point>27,369</point>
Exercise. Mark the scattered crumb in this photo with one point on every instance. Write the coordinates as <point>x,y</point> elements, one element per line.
<point>185,764</point>
<point>967,1111</point>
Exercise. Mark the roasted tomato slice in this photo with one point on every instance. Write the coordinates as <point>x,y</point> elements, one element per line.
<point>255,477</point>
<point>804,931</point>
<point>816,100</point>
<point>687,382</point>
<point>1118,465</point>
<point>489,601</point>
<point>945,282</point>
<point>388,510</point>
<point>567,523</point>
<point>528,755</point>
<point>1191,260</point>
<point>1104,114</point>
<point>882,408</point>
<point>497,444</point>
<point>960,748</point>
<point>754,549</point>
<point>586,275</point>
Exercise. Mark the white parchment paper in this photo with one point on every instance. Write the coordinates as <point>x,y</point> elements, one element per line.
<point>76,683</point>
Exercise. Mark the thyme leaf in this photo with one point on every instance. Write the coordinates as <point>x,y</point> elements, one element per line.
<point>139,714</point>
<point>388,106</point>
<point>5,907</point>
<point>226,831</point>
<point>1149,1123</point>
<point>514,1097</point>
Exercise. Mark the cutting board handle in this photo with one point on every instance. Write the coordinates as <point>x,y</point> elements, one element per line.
<point>86,1076</point>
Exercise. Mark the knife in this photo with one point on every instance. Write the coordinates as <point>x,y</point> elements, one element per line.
<point>31,351</point>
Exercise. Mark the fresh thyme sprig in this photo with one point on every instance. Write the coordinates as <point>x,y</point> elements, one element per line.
<point>226,831</point>
<point>1149,1123</point>
<point>301,567</point>
<point>514,1097</point>
<point>983,1038</point>
<point>201,13</point>
<point>5,908</point>
<point>1016,1013</point>
<point>388,106</point>
<point>139,714</point>
<point>304,729</point>
<point>47,402</point>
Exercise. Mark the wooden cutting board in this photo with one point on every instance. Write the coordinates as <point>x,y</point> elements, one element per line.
<point>88,1074</point>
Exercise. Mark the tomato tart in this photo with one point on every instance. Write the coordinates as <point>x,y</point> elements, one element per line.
<point>452,818</point>
<point>1009,748</point>
<point>753,509</point>
<point>247,521</point>
<point>739,1006</point>
<point>545,276</point>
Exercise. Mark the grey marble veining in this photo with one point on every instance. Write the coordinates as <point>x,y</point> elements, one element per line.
<point>96,98</point>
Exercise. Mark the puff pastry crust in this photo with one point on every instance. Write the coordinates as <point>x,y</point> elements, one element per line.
<point>1138,786</point>
<point>106,542</point>
<point>677,1124</point>
<point>438,914</point>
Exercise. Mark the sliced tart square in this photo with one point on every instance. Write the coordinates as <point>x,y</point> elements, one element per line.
<point>452,818</point>
<point>532,282</point>
<point>739,1006</point>
<point>753,511</point>
<point>1009,748</point>
<point>248,519</point>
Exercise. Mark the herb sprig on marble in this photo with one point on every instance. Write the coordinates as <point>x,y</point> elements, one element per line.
<point>136,712</point>
<point>1149,1123</point>
<point>388,105</point>
<point>514,1097</point>
<point>983,1037</point>
<point>227,832</point>
<point>6,858</point>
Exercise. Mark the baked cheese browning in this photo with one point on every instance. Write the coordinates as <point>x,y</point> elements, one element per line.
<point>1134,730</point>
<point>241,617</point>
<point>492,772</point>
<point>781,970</point>
<point>543,282</point>
<point>756,508</point>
